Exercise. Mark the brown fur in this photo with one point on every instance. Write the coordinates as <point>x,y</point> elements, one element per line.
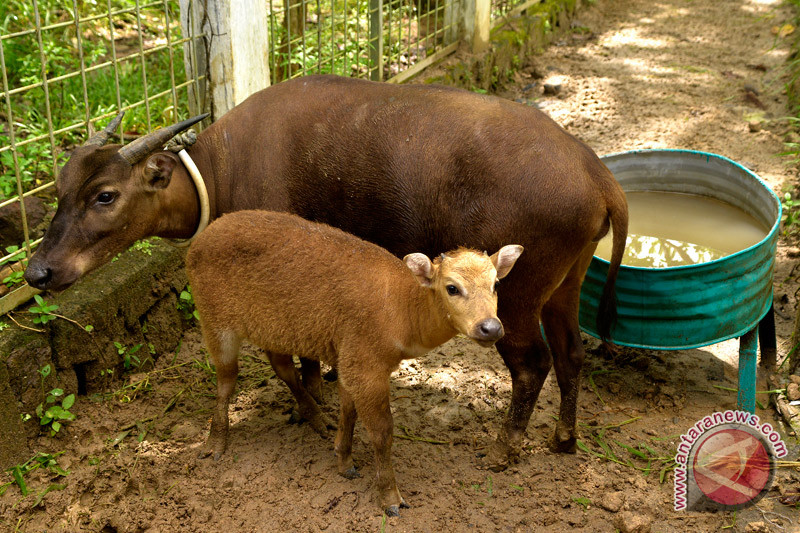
<point>412,168</point>
<point>296,287</point>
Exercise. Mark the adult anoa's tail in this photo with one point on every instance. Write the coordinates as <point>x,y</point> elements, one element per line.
<point>618,216</point>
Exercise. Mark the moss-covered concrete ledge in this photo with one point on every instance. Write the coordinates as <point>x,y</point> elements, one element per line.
<point>131,301</point>
<point>516,37</point>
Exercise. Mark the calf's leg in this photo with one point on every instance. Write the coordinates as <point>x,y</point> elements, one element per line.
<point>371,399</point>
<point>285,369</point>
<point>224,349</point>
<point>343,446</point>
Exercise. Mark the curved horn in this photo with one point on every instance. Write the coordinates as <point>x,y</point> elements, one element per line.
<point>135,151</point>
<point>100,138</point>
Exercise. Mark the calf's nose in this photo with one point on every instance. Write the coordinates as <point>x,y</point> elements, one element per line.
<point>38,275</point>
<point>490,330</point>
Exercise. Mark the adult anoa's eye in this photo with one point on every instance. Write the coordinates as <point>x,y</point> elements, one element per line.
<point>452,290</point>
<point>105,198</point>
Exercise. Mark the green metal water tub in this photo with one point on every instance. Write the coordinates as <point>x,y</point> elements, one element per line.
<point>695,305</point>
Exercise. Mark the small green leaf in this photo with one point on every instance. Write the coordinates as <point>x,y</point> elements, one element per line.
<point>68,402</point>
<point>40,300</point>
<point>16,473</point>
<point>56,426</point>
<point>89,328</point>
<point>57,392</point>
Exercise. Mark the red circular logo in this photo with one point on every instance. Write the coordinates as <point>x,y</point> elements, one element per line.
<point>732,465</point>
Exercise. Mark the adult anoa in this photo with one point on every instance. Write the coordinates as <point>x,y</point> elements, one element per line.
<point>413,168</point>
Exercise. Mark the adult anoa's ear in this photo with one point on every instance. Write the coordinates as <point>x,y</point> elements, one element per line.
<point>421,267</point>
<point>505,258</point>
<point>158,171</point>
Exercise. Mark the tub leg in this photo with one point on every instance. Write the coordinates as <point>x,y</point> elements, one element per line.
<point>766,338</point>
<point>748,349</point>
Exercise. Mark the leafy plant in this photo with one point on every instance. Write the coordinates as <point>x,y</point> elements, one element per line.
<point>52,413</point>
<point>40,460</point>
<point>186,305</point>
<point>791,214</point>
<point>129,357</point>
<point>13,278</point>
<point>43,311</point>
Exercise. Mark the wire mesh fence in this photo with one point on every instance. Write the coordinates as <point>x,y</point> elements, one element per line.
<point>374,39</point>
<point>67,67</point>
<point>504,8</point>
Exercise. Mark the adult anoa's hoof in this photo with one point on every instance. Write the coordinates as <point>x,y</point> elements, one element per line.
<point>321,423</point>
<point>567,445</point>
<point>351,473</point>
<point>499,457</point>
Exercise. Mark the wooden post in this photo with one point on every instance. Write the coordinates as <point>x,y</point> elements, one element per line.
<point>233,55</point>
<point>477,23</point>
<point>376,40</point>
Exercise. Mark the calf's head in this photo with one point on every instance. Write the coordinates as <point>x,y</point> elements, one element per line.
<point>108,198</point>
<point>465,282</point>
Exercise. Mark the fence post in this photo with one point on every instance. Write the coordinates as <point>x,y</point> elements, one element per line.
<point>233,55</point>
<point>376,40</point>
<point>476,24</point>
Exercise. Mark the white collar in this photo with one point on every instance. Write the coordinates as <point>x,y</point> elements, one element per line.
<point>202,196</point>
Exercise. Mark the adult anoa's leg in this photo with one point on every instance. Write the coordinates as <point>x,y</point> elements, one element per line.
<point>312,377</point>
<point>309,410</point>
<point>528,359</point>
<point>560,319</point>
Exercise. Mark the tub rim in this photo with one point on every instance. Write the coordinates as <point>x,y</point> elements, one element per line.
<point>769,236</point>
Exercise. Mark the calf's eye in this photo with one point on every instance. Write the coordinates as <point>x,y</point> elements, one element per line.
<point>496,285</point>
<point>452,290</point>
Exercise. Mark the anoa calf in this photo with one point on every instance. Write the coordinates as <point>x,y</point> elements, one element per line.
<point>291,286</point>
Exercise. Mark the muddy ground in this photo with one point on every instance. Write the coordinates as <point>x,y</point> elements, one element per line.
<point>697,74</point>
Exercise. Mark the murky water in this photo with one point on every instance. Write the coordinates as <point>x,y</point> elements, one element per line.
<point>671,229</point>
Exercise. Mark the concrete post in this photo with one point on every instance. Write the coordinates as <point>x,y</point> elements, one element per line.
<point>234,55</point>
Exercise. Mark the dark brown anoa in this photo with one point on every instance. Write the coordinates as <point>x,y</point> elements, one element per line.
<point>295,287</point>
<point>413,168</point>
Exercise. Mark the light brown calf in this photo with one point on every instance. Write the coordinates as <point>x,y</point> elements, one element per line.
<point>291,286</point>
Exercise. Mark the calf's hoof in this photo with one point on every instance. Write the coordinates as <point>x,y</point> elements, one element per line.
<point>394,510</point>
<point>351,473</point>
<point>210,452</point>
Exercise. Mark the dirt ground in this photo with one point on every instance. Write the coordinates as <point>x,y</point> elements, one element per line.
<point>696,74</point>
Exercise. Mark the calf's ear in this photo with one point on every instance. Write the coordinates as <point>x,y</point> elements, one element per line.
<point>158,171</point>
<point>421,267</point>
<point>505,258</point>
